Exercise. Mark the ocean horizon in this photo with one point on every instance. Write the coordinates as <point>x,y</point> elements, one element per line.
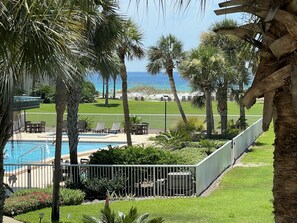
<point>143,79</point>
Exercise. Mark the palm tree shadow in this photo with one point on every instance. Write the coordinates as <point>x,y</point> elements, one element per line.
<point>260,144</point>
<point>112,105</point>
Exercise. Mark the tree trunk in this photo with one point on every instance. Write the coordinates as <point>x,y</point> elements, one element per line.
<point>114,86</point>
<point>106,92</point>
<point>173,90</point>
<point>125,101</point>
<point>6,122</point>
<point>242,119</point>
<point>103,87</point>
<point>73,99</point>
<point>208,112</point>
<point>60,109</point>
<point>222,106</point>
<point>285,156</point>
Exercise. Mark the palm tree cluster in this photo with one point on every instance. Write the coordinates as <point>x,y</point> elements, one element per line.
<point>216,67</point>
<point>61,40</point>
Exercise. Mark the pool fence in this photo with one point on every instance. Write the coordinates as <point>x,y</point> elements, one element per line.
<point>142,180</point>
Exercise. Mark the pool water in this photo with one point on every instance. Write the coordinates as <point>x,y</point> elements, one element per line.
<point>18,152</point>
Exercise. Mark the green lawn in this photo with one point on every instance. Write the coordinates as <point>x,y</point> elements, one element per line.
<point>150,111</point>
<point>244,196</point>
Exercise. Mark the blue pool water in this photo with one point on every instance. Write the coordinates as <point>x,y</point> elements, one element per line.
<point>14,151</point>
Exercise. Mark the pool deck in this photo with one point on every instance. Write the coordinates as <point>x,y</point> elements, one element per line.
<point>120,137</point>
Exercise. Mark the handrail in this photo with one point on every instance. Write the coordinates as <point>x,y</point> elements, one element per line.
<point>31,150</point>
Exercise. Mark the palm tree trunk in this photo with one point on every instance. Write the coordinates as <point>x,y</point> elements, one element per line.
<point>241,109</point>
<point>125,101</point>
<point>114,86</point>
<point>60,109</point>
<point>222,106</point>
<point>208,112</point>
<point>73,99</point>
<point>103,87</point>
<point>173,90</point>
<point>106,91</point>
<point>285,156</point>
<point>5,132</point>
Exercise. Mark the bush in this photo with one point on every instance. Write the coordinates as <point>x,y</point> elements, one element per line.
<point>173,139</point>
<point>88,92</point>
<point>193,125</point>
<point>97,188</point>
<point>135,155</point>
<point>33,199</point>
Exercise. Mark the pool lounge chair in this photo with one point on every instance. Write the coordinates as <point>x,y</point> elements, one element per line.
<point>115,128</point>
<point>99,127</point>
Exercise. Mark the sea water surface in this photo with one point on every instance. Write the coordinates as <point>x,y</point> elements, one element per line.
<point>140,79</point>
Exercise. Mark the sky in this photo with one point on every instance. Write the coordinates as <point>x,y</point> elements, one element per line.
<point>184,25</point>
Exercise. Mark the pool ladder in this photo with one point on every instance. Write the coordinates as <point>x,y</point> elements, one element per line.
<point>43,151</point>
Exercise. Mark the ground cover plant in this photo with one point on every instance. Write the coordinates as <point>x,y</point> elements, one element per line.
<point>23,201</point>
<point>244,195</point>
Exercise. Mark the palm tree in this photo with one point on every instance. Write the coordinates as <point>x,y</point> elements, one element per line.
<point>202,67</point>
<point>230,46</point>
<point>128,47</point>
<point>102,30</point>
<point>166,55</point>
<point>276,80</point>
<point>33,42</point>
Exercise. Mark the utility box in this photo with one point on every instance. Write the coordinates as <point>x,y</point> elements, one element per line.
<point>180,183</point>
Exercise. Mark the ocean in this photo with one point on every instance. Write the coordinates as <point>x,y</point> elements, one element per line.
<point>140,79</point>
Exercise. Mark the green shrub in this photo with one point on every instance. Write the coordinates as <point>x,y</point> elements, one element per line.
<point>24,201</point>
<point>230,133</point>
<point>134,155</point>
<point>97,188</point>
<point>193,125</point>
<point>173,139</point>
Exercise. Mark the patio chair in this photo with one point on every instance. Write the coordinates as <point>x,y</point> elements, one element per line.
<point>115,128</point>
<point>99,127</point>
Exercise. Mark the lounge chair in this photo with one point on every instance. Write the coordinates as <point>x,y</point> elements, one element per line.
<point>99,127</point>
<point>115,128</point>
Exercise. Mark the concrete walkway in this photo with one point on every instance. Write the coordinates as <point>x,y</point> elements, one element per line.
<point>10,220</point>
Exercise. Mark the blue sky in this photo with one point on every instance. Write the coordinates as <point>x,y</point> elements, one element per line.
<point>186,26</point>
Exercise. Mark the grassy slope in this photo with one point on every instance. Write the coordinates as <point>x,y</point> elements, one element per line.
<point>244,196</point>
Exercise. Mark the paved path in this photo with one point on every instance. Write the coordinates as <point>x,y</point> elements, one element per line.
<point>10,220</point>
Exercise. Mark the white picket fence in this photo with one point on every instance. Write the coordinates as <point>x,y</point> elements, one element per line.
<point>142,180</point>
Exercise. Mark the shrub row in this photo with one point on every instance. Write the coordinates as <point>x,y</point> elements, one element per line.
<point>135,155</point>
<point>33,199</point>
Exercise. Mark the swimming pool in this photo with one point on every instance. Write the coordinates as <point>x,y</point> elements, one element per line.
<point>19,152</point>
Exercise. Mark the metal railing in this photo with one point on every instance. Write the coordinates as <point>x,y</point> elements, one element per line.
<point>141,180</point>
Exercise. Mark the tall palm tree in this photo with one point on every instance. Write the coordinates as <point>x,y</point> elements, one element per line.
<point>274,33</point>
<point>101,30</point>
<point>34,41</point>
<point>128,47</point>
<point>202,67</point>
<point>165,56</point>
<point>230,46</point>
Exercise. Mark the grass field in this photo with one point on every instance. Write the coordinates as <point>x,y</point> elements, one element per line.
<point>150,111</point>
<point>243,196</point>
